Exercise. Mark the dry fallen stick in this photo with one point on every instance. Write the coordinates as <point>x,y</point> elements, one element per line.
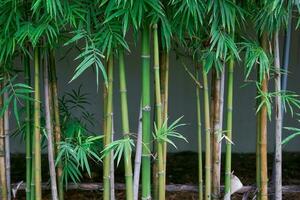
<point>169,188</point>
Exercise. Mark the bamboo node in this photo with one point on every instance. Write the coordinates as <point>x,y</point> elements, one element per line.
<point>106,177</point>
<point>126,134</point>
<point>161,173</point>
<point>110,114</point>
<point>147,108</point>
<point>145,56</point>
<point>146,198</point>
<point>123,91</point>
<point>146,155</point>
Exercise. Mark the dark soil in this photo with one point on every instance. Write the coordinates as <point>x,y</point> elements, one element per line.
<point>182,169</point>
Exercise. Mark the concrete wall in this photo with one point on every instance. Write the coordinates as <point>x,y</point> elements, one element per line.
<point>182,100</point>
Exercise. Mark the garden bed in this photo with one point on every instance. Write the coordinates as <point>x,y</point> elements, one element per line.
<point>182,169</point>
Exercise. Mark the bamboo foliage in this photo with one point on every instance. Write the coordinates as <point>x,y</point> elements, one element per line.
<point>212,30</point>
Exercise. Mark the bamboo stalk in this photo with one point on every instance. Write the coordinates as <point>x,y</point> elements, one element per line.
<point>207,137</point>
<point>37,125</point>
<point>138,157</point>
<point>199,135</point>
<point>263,131</point>
<point>287,46</point>
<point>125,125</point>
<point>49,130</point>
<point>7,144</point>
<point>278,122</point>
<point>32,183</point>
<point>57,127</point>
<point>229,125</point>
<point>2,153</point>
<point>229,130</point>
<point>160,144</point>
<point>258,155</point>
<point>164,96</point>
<point>112,166</point>
<point>146,152</point>
<point>108,132</point>
<point>28,129</point>
<point>216,137</point>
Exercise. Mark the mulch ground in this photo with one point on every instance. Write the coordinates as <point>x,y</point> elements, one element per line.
<point>182,169</point>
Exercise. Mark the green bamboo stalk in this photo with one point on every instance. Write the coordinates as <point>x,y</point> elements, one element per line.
<point>207,137</point>
<point>108,132</point>
<point>2,153</point>
<point>28,129</point>
<point>159,122</point>
<point>37,126</point>
<point>263,130</point>
<point>32,182</point>
<point>57,127</point>
<point>229,129</point>
<point>199,135</point>
<point>125,125</point>
<point>146,128</point>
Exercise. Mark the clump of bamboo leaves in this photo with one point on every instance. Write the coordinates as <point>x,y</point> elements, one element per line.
<point>211,33</point>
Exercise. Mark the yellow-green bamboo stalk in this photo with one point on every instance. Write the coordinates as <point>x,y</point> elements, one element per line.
<point>2,153</point>
<point>263,130</point>
<point>229,129</point>
<point>108,132</point>
<point>216,120</point>
<point>125,125</point>
<point>32,183</point>
<point>37,126</point>
<point>28,129</point>
<point>160,144</point>
<point>164,96</point>
<point>207,137</point>
<point>7,143</point>
<point>199,135</point>
<point>229,126</point>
